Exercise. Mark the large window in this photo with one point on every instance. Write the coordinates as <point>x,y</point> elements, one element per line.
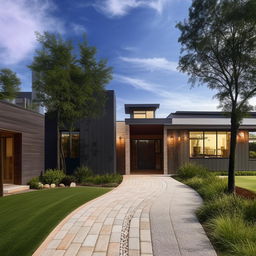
<point>70,144</point>
<point>143,114</point>
<point>252,145</point>
<point>209,144</point>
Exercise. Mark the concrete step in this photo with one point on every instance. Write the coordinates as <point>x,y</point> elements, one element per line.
<point>11,189</point>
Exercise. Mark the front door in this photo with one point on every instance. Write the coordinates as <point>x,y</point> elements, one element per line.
<point>146,154</point>
<point>7,158</point>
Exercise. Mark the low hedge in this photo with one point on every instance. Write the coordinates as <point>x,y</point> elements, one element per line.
<point>230,220</point>
<point>237,173</point>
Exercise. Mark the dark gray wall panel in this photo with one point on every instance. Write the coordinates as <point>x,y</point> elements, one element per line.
<point>97,139</point>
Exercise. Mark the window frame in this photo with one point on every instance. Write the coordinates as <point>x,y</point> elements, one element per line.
<point>142,112</point>
<point>205,156</point>
<point>68,134</point>
<point>250,158</point>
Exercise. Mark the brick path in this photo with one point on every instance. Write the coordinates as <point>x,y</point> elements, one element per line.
<point>137,218</point>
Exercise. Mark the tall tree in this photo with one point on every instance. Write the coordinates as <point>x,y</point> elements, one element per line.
<point>9,84</point>
<point>65,86</point>
<point>219,50</point>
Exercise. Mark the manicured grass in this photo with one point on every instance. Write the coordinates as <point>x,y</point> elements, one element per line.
<point>26,219</point>
<point>247,182</point>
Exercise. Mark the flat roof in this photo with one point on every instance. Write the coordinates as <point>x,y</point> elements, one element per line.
<point>204,114</point>
<point>130,107</point>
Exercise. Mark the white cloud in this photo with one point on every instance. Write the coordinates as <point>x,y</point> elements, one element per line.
<point>19,19</point>
<point>117,8</point>
<point>77,28</point>
<point>169,98</point>
<point>152,64</point>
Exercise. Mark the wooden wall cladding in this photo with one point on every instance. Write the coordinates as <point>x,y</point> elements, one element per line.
<point>178,154</point>
<point>29,129</point>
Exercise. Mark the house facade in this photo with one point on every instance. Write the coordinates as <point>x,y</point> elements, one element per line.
<point>21,144</point>
<point>146,144</point>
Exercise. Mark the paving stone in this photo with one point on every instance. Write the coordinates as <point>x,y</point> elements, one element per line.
<point>145,235</point>
<point>146,247</point>
<point>134,253</point>
<point>59,253</point>
<point>113,249</point>
<point>90,240</point>
<point>85,251</point>
<point>102,243</point>
<point>66,241</point>
<point>54,244</point>
<point>117,228</point>
<point>134,232</point>
<point>73,249</point>
<point>96,227</point>
<point>106,230</point>
<point>115,237</point>
<point>134,243</point>
<point>81,235</point>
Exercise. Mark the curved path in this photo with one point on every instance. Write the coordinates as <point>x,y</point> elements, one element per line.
<point>145,215</point>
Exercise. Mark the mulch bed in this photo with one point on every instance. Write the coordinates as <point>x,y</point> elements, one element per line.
<point>245,193</point>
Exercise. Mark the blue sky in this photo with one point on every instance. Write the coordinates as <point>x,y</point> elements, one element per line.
<point>138,37</point>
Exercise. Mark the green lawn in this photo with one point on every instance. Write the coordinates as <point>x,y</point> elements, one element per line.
<point>248,182</point>
<point>26,219</point>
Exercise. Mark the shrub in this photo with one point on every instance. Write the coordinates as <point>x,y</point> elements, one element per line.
<point>213,187</point>
<point>34,183</point>
<point>104,179</point>
<point>191,170</point>
<point>53,176</point>
<point>246,249</point>
<point>195,182</point>
<point>82,173</point>
<point>230,232</point>
<point>226,205</point>
<point>250,211</point>
<point>237,173</point>
<point>68,179</point>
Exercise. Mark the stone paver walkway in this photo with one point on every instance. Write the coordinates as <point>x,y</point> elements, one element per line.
<point>145,215</point>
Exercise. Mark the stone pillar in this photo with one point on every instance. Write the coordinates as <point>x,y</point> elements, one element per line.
<point>165,151</point>
<point>127,150</point>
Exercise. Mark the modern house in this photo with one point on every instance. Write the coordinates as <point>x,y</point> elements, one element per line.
<point>146,144</point>
<point>141,144</point>
<point>21,143</point>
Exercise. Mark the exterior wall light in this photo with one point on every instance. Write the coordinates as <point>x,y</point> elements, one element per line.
<point>171,140</point>
<point>120,140</point>
<point>241,136</point>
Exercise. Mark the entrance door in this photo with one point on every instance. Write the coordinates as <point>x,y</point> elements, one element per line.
<point>146,154</point>
<point>7,158</point>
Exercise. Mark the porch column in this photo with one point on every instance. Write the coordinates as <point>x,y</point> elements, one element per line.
<point>127,150</point>
<point>165,160</point>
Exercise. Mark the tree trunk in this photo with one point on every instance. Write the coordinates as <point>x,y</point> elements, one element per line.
<point>58,147</point>
<point>233,142</point>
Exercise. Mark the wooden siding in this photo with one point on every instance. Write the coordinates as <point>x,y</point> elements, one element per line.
<point>178,154</point>
<point>120,147</point>
<point>29,129</point>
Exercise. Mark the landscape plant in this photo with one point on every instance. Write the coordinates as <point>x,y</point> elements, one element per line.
<point>228,218</point>
<point>53,176</point>
<point>219,51</point>
<point>70,86</point>
<point>81,173</point>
